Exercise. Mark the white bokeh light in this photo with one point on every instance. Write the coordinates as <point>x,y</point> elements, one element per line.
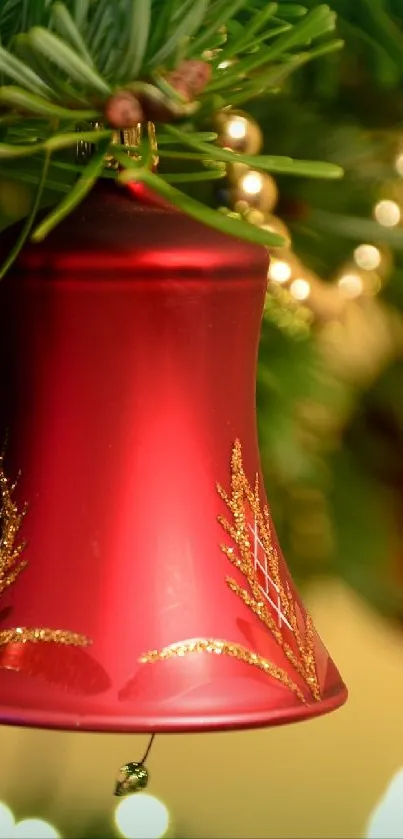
<point>237,128</point>
<point>300,289</point>
<point>7,822</point>
<point>279,271</point>
<point>367,257</point>
<point>142,816</point>
<point>252,183</point>
<point>387,213</point>
<point>351,285</point>
<point>386,820</point>
<point>34,829</point>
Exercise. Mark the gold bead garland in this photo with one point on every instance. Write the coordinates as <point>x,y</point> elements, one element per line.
<point>297,297</point>
<point>238,132</point>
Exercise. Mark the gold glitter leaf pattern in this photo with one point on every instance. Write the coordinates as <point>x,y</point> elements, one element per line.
<point>215,647</point>
<point>11,564</point>
<point>245,537</point>
<point>241,498</point>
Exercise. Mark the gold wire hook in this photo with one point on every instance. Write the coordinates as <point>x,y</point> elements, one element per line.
<point>129,137</point>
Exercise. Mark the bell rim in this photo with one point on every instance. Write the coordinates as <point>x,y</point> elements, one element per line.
<point>183,724</point>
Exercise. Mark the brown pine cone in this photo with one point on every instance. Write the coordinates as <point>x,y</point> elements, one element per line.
<point>123,110</point>
<point>190,78</point>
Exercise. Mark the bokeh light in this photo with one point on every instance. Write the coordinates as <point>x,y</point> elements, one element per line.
<point>251,183</point>
<point>237,127</point>
<point>275,225</point>
<point>6,822</point>
<point>351,285</point>
<point>386,820</point>
<point>142,816</point>
<point>387,213</point>
<point>34,829</point>
<point>279,270</point>
<point>367,257</point>
<point>399,164</point>
<point>300,289</point>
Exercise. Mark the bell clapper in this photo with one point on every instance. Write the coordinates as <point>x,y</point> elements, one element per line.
<point>133,776</point>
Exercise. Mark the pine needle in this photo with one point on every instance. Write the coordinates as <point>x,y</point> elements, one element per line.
<point>61,61</point>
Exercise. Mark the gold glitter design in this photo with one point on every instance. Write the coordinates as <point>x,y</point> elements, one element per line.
<point>21,635</point>
<point>11,565</point>
<point>215,647</point>
<point>241,494</point>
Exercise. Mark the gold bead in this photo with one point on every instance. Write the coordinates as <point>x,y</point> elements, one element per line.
<point>236,171</point>
<point>269,222</point>
<point>239,132</point>
<point>255,190</point>
<point>132,777</point>
<point>284,266</point>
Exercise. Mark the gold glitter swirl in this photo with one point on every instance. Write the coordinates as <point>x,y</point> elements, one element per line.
<point>216,647</point>
<point>22,635</point>
<point>11,565</point>
<point>241,495</point>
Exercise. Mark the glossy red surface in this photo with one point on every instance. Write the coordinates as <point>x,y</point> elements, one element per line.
<point>128,370</point>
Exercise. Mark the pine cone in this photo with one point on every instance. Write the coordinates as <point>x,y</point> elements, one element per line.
<point>123,110</point>
<point>190,78</point>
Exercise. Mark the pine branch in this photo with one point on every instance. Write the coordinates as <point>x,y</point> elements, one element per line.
<point>63,62</point>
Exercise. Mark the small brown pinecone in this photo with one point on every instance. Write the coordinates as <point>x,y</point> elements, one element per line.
<point>190,78</point>
<point>123,110</point>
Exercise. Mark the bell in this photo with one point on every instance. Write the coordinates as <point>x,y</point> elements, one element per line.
<point>142,587</point>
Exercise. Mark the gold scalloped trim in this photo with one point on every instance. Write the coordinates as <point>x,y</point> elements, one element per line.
<point>22,635</point>
<point>216,647</point>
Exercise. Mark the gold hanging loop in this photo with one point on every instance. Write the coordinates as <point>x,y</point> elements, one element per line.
<point>128,137</point>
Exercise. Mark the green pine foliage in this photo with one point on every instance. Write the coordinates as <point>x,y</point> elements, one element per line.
<point>61,62</point>
<point>337,498</point>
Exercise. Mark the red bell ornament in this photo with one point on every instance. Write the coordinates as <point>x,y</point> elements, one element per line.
<point>142,587</point>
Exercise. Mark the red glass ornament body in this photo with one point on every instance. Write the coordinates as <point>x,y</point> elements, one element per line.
<point>128,372</point>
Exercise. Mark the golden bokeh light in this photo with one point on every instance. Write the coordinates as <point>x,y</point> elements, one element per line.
<point>280,271</point>
<point>300,289</point>
<point>351,285</point>
<point>237,127</point>
<point>367,257</point>
<point>399,164</point>
<point>251,183</point>
<point>387,213</point>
